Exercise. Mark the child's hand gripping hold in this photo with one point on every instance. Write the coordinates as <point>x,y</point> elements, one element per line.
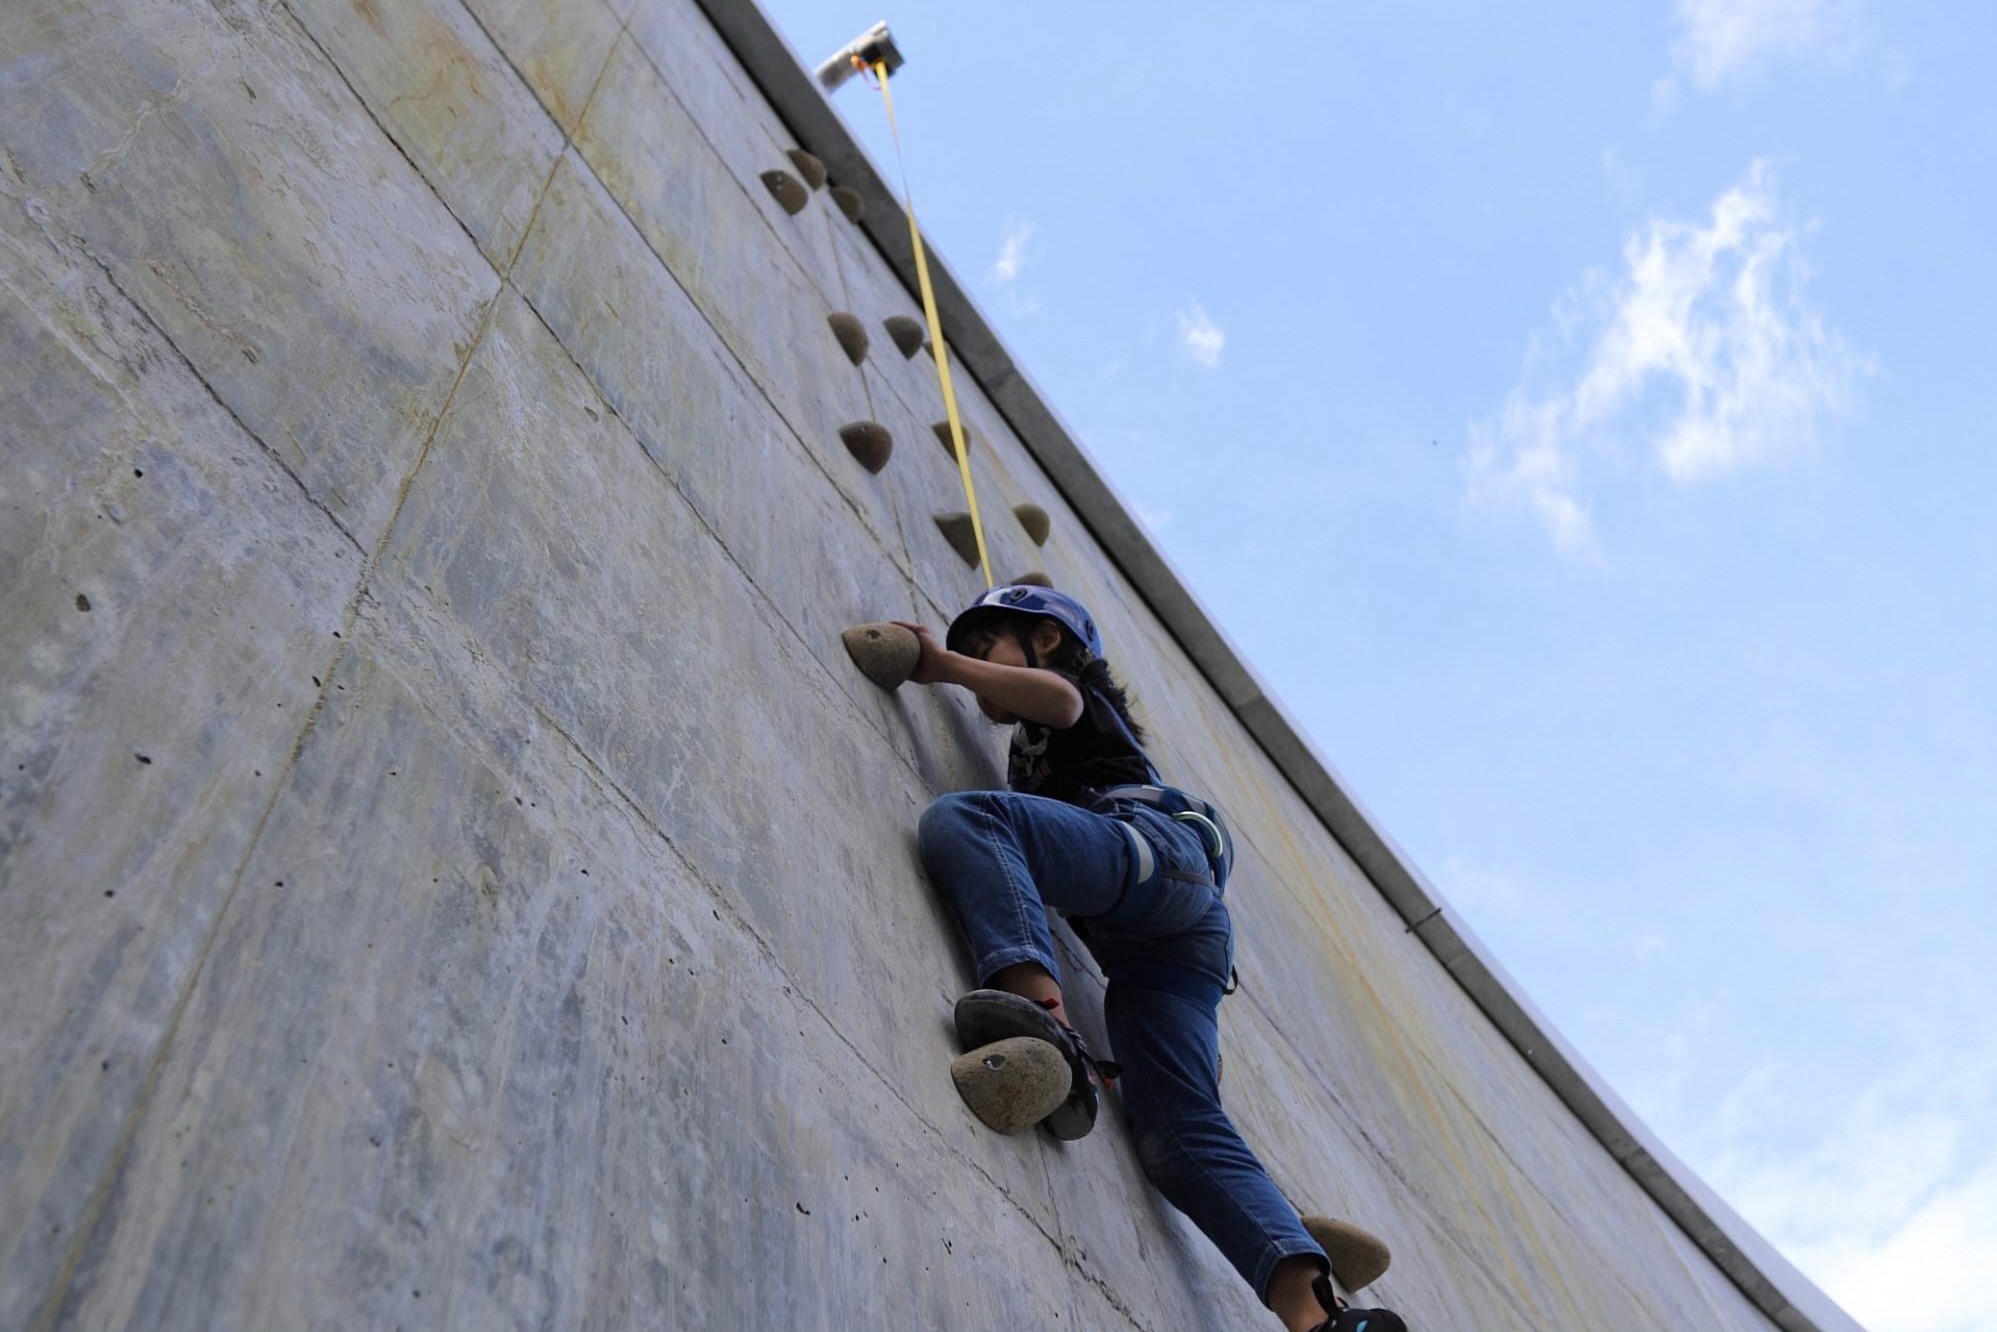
<point>1008,689</point>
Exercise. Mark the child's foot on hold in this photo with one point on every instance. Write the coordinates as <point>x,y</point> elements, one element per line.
<point>1344,1318</point>
<point>984,1016</point>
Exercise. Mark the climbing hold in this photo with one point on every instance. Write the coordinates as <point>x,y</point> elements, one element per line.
<point>1035,520</point>
<point>809,167</point>
<point>852,335</point>
<point>868,442</point>
<point>949,443</point>
<point>905,333</point>
<point>849,202</point>
<point>786,190</point>
<point>1012,1084</point>
<point>963,538</point>
<point>885,653</point>
<point>1358,1258</point>
<point>1033,578</point>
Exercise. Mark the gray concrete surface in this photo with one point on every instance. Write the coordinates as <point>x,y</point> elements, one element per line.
<point>451,874</point>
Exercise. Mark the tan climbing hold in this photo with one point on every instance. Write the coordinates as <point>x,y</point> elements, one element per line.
<point>1012,1084</point>
<point>1033,578</point>
<point>1035,520</point>
<point>849,202</point>
<point>852,335</point>
<point>1358,1257</point>
<point>963,538</point>
<point>949,443</point>
<point>885,653</point>
<point>905,333</point>
<point>868,442</point>
<point>786,190</point>
<point>809,167</point>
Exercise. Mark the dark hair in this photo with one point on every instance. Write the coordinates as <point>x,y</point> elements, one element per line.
<point>1093,672</point>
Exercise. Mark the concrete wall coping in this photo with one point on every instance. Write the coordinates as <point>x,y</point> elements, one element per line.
<point>1768,1279</point>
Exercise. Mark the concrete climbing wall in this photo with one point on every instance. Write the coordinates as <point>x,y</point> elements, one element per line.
<point>451,875</point>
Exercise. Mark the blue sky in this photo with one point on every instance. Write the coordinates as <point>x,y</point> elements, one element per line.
<point>1580,414</point>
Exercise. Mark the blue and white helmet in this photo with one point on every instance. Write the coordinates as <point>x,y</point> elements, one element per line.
<point>1025,599</point>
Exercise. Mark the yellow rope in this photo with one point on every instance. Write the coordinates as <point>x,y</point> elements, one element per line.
<point>936,333</point>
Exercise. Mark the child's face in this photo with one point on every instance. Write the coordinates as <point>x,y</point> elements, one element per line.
<point>1001,645</point>
<point>990,645</point>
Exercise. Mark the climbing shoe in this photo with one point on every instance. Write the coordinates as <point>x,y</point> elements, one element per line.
<point>1344,1318</point>
<point>986,1016</point>
<point>1363,1320</point>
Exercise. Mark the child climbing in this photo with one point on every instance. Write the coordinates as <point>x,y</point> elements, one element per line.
<point>1089,829</point>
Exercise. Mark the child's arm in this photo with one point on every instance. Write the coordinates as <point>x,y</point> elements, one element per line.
<point>1006,693</point>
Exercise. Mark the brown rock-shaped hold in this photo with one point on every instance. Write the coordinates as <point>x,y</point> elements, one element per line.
<point>809,167</point>
<point>943,437</point>
<point>905,333</point>
<point>849,202</point>
<point>868,442</point>
<point>963,538</point>
<point>1033,578</point>
<point>1035,520</point>
<point>786,190</point>
<point>852,335</point>
<point>1012,1084</point>
<point>1358,1258</point>
<point>885,653</point>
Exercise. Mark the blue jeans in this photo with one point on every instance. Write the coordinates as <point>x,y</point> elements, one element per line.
<point>1166,945</point>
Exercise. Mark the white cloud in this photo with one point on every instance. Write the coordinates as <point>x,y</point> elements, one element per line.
<point>1156,520</point>
<point>1723,41</point>
<point>1893,1212</point>
<point>1014,251</point>
<point>1200,336</point>
<point>1703,347</point>
<point>1929,1273</point>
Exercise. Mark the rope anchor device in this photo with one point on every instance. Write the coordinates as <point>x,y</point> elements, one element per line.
<point>873,47</point>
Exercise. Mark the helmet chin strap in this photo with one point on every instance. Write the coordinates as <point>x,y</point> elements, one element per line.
<point>1024,637</point>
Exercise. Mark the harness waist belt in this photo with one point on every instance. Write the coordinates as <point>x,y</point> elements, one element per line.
<point>1189,809</point>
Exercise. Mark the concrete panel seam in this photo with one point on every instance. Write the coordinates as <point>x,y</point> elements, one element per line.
<point>722,901</point>
<point>726,903</point>
<point>1474,1254</point>
<point>721,338</point>
<point>87,1224</point>
<point>360,101</point>
<point>114,1165</point>
<point>141,1103</point>
<point>525,82</point>
<point>84,249</point>
<point>706,526</point>
<point>528,83</point>
<point>700,131</point>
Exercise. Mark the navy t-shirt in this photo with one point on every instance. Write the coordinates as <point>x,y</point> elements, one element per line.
<point>1070,764</point>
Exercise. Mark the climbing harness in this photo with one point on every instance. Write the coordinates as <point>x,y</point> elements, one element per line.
<point>1201,814</point>
<point>963,454</point>
<point>1186,808</point>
